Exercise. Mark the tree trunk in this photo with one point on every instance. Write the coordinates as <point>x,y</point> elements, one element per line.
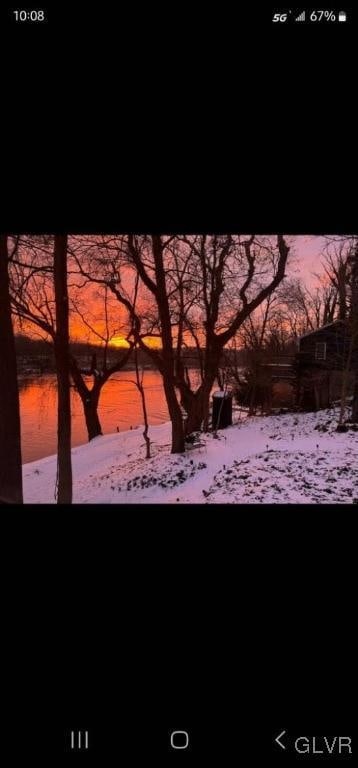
<point>186,397</point>
<point>64,479</point>
<point>354,416</point>
<point>10,444</point>
<point>93,424</point>
<point>344,388</point>
<point>140,387</point>
<point>354,331</point>
<point>343,398</point>
<point>89,399</point>
<point>200,404</point>
<point>196,413</point>
<point>178,437</point>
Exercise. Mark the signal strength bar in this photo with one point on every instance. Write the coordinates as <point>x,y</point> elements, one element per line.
<point>301,17</point>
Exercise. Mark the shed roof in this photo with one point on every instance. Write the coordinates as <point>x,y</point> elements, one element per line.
<point>323,328</point>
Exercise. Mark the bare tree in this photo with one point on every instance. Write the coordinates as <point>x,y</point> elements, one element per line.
<point>90,396</point>
<point>307,309</point>
<point>10,442</point>
<point>240,274</point>
<point>223,280</point>
<point>110,257</point>
<point>353,262</point>
<point>260,336</point>
<point>51,315</point>
<point>61,347</point>
<point>141,390</point>
<point>32,298</point>
<point>100,370</point>
<point>350,351</point>
<point>336,267</point>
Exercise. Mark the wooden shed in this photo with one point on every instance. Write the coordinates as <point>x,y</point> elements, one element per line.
<point>328,347</point>
<point>322,356</point>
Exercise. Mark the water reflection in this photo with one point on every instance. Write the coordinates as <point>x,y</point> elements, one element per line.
<point>120,406</point>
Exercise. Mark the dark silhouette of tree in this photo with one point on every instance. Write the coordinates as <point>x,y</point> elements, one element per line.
<point>303,310</point>
<point>354,325</point>
<point>10,443</point>
<point>33,301</point>
<point>101,369</point>
<point>61,346</point>
<point>225,279</point>
<point>231,292</point>
<point>336,265</point>
<point>90,395</point>
<point>105,270</point>
<point>349,247</point>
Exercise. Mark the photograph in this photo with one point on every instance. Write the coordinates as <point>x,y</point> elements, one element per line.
<point>179,369</point>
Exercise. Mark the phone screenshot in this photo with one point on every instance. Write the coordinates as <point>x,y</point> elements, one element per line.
<point>179,385</point>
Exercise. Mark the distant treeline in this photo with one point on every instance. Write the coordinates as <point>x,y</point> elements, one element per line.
<point>38,354</point>
<point>26,346</point>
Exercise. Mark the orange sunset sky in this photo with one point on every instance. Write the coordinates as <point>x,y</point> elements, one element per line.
<point>306,250</point>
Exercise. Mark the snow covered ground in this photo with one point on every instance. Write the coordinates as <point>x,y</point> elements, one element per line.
<point>286,458</point>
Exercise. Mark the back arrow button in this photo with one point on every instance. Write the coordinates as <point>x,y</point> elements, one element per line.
<point>277,739</point>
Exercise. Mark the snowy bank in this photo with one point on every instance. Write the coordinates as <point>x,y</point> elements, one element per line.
<point>288,458</point>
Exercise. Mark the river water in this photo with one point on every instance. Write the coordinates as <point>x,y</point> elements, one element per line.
<point>119,406</point>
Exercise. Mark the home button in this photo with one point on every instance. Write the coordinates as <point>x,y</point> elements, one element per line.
<point>179,739</point>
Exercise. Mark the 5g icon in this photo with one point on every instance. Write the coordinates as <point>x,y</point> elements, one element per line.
<point>280,17</point>
<point>179,739</point>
